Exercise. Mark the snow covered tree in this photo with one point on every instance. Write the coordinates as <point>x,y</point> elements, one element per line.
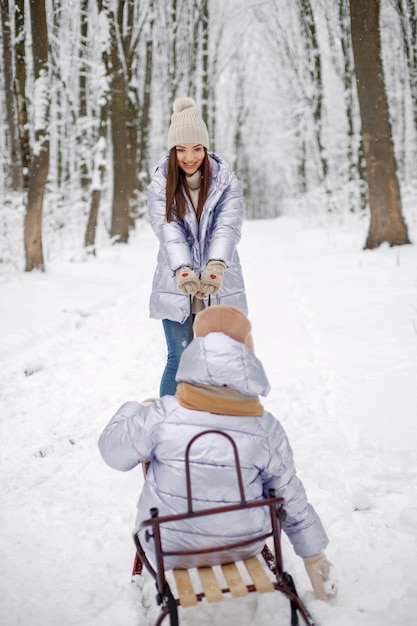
<point>350,168</point>
<point>13,164</point>
<point>100,152</point>
<point>407,11</point>
<point>291,33</point>
<point>204,26</point>
<point>83,138</point>
<point>144,122</point>
<point>20,87</point>
<point>315,74</point>
<point>184,64</point>
<point>126,22</point>
<point>387,223</point>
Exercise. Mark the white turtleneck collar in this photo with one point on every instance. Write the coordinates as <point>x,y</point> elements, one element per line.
<point>193,184</point>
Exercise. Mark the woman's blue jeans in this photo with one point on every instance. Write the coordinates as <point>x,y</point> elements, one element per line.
<point>178,337</point>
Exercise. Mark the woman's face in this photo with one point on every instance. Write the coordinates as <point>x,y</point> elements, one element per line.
<point>189,157</point>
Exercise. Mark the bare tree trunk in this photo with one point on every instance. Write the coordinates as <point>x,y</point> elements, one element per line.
<point>387,222</point>
<point>40,161</point>
<point>15,170</point>
<point>118,109</point>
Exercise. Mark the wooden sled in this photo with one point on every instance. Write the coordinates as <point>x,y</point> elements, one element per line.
<point>262,573</point>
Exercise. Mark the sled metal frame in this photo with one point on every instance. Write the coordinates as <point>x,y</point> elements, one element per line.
<point>282,581</point>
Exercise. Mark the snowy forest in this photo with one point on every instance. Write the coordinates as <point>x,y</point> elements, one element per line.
<point>312,102</point>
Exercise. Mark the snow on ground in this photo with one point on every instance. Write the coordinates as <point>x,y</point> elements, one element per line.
<point>336,329</point>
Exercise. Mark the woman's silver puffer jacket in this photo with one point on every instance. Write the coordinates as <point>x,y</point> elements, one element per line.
<point>193,243</point>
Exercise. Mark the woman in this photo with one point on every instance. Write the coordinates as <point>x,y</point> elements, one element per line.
<point>196,210</point>
<point>220,383</point>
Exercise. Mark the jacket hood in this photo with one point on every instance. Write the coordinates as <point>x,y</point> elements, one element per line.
<point>218,360</point>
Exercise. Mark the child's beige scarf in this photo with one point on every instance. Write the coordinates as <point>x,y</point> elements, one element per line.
<point>218,400</point>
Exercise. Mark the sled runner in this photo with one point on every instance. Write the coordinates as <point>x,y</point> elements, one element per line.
<point>265,571</point>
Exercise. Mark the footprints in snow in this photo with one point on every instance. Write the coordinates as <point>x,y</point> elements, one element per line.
<point>50,449</point>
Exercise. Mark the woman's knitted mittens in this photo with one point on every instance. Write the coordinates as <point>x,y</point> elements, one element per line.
<point>187,280</point>
<point>212,277</point>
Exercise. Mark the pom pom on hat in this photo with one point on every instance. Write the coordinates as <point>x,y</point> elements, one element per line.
<point>183,103</point>
<point>224,319</point>
<point>187,125</point>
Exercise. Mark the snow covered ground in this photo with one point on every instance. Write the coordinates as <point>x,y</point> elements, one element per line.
<point>336,329</point>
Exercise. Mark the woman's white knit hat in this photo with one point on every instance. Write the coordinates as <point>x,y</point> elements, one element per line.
<point>187,125</point>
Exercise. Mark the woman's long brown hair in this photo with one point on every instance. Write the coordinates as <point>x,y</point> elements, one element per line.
<point>176,205</point>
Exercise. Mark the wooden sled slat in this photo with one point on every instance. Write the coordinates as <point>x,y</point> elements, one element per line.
<point>258,575</point>
<point>185,588</point>
<point>210,585</point>
<point>234,580</point>
<point>211,588</point>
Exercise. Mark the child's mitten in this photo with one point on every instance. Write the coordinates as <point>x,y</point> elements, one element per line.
<point>322,576</point>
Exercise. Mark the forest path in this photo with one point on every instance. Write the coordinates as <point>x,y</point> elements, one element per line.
<point>67,518</point>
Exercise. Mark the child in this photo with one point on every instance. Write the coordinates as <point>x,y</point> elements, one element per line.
<point>220,379</point>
